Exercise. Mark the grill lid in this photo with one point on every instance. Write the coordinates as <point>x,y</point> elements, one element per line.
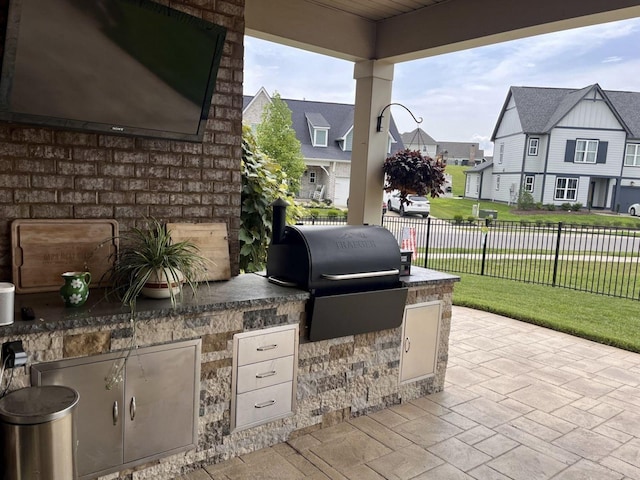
<point>332,257</point>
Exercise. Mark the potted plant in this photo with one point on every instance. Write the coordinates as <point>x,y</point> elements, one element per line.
<point>149,263</point>
<point>146,261</point>
<point>410,173</point>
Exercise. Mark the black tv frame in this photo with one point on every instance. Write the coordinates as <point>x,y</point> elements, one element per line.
<point>8,70</point>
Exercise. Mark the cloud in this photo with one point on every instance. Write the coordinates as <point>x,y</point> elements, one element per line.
<point>612,59</point>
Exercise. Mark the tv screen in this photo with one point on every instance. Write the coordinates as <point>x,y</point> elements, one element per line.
<point>117,66</point>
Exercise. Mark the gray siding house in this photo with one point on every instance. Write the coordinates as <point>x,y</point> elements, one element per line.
<point>564,146</point>
<point>325,132</point>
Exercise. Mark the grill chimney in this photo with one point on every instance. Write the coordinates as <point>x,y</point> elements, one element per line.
<point>279,220</point>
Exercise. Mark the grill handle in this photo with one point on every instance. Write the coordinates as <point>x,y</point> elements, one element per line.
<point>354,276</point>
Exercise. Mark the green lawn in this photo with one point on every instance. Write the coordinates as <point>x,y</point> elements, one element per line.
<point>612,321</point>
<point>450,207</point>
<point>458,178</point>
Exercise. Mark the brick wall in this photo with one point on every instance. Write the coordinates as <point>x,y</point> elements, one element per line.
<point>52,173</point>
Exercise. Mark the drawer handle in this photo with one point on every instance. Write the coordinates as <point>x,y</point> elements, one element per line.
<point>267,347</point>
<point>265,404</point>
<point>407,345</point>
<point>266,374</point>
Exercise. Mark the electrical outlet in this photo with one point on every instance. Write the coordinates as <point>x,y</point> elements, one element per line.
<point>14,353</point>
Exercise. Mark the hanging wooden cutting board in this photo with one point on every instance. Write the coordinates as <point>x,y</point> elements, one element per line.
<point>213,243</point>
<point>44,249</point>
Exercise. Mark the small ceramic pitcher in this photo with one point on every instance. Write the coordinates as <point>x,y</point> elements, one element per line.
<point>75,290</point>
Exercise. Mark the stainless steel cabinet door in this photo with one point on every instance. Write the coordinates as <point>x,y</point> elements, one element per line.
<point>420,341</point>
<point>98,417</point>
<point>160,401</point>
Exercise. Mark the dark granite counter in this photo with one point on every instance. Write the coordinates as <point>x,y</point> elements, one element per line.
<point>243,291</point>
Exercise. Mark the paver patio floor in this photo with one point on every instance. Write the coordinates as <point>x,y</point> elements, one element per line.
<point>521,402</point>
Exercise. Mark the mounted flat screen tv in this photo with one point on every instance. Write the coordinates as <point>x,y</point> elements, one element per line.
<point>117,66</point>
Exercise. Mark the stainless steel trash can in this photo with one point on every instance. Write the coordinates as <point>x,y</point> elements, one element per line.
<point>37,435</point>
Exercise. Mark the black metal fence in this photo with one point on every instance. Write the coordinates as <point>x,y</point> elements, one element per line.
<point>602,260</point>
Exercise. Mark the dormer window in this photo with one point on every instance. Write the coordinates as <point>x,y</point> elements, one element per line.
<point>320,136</point>
<point>318,129</point>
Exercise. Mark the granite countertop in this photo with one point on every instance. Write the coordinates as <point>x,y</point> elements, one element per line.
<point>243,291</point>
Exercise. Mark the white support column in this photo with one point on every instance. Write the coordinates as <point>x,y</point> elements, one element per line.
<point>373,92</point>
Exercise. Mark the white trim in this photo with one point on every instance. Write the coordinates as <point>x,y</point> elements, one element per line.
<point>635,155</point>
<point>585,152</point>
<point>534,145</point>
<point>566,189</point>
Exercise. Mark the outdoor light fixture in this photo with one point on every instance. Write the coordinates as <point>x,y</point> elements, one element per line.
<point>379,126</point>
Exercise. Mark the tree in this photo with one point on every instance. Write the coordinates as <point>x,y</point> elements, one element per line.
<point>277,139</point>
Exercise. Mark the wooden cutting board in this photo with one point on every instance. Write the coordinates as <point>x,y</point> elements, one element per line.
<point>44,249</point>
<point>213,242</point>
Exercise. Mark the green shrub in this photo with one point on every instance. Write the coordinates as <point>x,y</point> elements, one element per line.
<point>539,206</point>
<point>539,223</point>
<point>332,213</point>
<point>550,207</point>
<point>576,207</point>
<point>524,222</point>
<point>471,219</point>
<point>566,207</point>
<point>458,219</point>
<point>525,201</point>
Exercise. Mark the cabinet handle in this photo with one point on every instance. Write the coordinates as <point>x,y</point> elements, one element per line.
<point>265,404</point>
<point>407,345</point>
<point>132,408</point>
<point>266,374</point>
<point>267,347</point>
<point>115,412</point>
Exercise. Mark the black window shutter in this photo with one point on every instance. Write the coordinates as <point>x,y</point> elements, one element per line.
<point>570,151</point>
<point>601,157</point>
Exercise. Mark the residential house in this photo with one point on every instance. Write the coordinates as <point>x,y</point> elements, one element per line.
<point>325,132</point>
<point>420,140</point>
<point>460,153</point>
<point>564,146</point>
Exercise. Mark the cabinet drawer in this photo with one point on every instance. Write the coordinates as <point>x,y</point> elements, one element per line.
<point>265,374</point>
<point>258,406</point>
<point>258,348</point>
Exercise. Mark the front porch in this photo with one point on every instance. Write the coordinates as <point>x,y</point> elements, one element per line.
<point>521,402</point>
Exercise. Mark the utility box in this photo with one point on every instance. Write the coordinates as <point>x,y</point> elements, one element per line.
<point>488,214</point>
<point>37,435</point>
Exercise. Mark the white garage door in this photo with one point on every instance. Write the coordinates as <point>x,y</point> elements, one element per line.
<point>341,193</point>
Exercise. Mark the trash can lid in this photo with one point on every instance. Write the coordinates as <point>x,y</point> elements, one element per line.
<point>34,405</point>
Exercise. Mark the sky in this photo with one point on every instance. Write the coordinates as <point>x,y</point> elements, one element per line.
<point>459,95</point>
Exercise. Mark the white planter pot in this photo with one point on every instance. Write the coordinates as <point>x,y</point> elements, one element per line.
<point>161,282</point>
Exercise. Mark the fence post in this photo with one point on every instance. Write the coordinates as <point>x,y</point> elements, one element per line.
<point>487,222</point>
<point>426,247</point>
<point>557,255</point>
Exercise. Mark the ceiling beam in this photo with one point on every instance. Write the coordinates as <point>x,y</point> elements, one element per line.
<point>311,27</point>
<point>461,24</point>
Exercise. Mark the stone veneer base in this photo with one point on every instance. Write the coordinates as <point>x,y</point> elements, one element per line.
<point>338,379</point>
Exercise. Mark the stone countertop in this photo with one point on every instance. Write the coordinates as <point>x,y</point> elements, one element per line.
<point>243,291</point>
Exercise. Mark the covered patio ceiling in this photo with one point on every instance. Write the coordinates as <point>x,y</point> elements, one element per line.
<point>376,34</point>
<point>401,30</point>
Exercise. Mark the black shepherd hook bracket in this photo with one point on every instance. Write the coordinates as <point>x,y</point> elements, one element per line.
<point>379,126</point>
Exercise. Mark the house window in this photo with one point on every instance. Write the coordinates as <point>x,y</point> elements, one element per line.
<point>498,182</point>
<point>632,155</point>
<point>312,177</point>
<point>586,151</point>
<point>566,188</point>
<point>501,153</point>
<point>533,146</point>
<point>528,183</point>
<point>320,137</point>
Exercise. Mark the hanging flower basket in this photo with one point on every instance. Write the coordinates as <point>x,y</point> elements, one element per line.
<point>410,173</point>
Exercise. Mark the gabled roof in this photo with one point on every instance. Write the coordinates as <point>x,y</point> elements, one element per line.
<point>338,117</point>
<point>418,136</point>
<point>541,109</point>
<point>480,167</point>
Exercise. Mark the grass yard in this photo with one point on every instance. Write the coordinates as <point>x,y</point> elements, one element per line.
<point>608,320</point>
<point>458,178</point>
<point>450,207</point>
